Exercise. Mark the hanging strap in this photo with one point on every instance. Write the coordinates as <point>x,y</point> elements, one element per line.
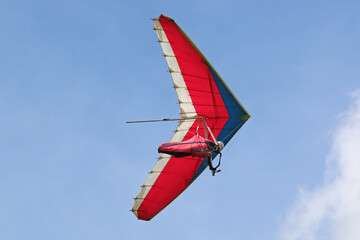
<point>197,129</point>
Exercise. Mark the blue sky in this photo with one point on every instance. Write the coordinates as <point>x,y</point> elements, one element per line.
<point>72,73</point>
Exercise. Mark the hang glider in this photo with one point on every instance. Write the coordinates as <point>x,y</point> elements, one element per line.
<point>210,117</point>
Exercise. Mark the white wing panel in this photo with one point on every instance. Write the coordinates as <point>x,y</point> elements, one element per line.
<point>186,107</point>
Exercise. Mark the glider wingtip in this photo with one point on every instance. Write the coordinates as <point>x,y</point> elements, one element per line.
<point>163,16</point>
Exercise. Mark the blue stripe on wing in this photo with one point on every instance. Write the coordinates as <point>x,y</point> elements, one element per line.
<point>234,123</point>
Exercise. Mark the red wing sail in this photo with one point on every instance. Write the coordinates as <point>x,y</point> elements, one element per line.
<point>201,93</point>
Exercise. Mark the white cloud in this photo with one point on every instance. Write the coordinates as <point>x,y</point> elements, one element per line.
<point>332,211</point>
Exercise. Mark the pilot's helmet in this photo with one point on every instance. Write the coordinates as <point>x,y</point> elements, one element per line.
<point>220,146</point>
